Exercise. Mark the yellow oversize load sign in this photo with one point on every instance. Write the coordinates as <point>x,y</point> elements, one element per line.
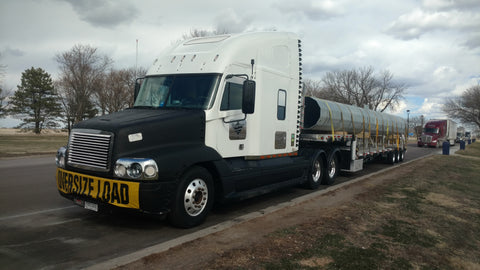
<point>119,193</point>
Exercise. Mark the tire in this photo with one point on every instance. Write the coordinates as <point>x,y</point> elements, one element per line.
<point>316,173</point>
<point>333,168</point>
<point>193,198</point>
<point>391,157</point>
<point>397,156</point>
<point>401,156</point>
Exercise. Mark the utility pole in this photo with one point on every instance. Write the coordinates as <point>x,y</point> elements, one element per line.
<point>408,123</point>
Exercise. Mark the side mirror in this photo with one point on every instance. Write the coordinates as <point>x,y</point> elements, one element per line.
<point>248,100</point>
<point>138,83</point>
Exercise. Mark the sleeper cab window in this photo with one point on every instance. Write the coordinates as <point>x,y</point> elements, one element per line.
<point>281,104</point>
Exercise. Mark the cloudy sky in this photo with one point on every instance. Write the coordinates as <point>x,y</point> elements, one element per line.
<point>432,45</point>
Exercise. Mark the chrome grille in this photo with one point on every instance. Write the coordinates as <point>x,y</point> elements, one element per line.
<point>426,138</point>
<point>89,150</point>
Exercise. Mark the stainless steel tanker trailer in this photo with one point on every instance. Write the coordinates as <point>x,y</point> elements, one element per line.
<point>351,136</point>
<point>220,118</point>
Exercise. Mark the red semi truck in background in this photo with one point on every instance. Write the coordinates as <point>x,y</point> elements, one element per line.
<point>436,132</point>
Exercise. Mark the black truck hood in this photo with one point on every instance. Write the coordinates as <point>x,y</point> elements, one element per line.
<point>159,128</point>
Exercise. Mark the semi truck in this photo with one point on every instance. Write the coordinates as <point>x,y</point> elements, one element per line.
<point>217,119</point>
<point>438,131</point>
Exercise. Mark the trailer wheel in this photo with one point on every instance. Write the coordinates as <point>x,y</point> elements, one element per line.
<point>333,168</point>
<point>316,173</point>
<point>391,157</point>
<point>401,155</point>
<point>193,199</point>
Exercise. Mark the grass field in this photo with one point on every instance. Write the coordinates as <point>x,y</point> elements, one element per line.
<point>26,144</point>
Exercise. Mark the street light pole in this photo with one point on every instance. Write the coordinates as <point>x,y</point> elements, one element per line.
<point>408,122</point>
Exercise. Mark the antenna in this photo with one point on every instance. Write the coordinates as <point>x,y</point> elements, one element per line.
<point>252,62</point>
<point>136,59</point>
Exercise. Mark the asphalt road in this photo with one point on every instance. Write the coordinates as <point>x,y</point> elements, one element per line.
<point>39,229</point>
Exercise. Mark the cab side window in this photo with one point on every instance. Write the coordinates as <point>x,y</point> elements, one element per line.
<point>232,97</point>
<point>281,104</point>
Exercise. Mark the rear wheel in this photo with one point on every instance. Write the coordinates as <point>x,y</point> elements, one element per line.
<point>193,199</point>
<point>391,157</point>
<point>333,168</point>
<point>317,172</point>
<point>401,155</point>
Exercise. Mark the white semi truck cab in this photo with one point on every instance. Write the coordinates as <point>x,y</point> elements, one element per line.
<point>220,118</point>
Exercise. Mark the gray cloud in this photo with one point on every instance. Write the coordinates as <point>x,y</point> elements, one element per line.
<point>12,52</point>
<point>419,22</point>
<point>473,41</point>
<point>106,13</point>
<point>450,5</point>
<point>229,21</point>
<point>313,10</point>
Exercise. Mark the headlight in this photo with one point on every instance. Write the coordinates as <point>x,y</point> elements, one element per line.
<point>120,170</point>
<point>60,157</point>
<point>136,168</point>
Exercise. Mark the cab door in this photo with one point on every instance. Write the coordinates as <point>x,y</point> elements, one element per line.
<point>232,134</point>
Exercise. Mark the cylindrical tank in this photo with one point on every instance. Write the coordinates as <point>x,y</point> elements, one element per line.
<point>323,116</point>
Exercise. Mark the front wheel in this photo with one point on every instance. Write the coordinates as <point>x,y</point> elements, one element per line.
<point>193,199</point>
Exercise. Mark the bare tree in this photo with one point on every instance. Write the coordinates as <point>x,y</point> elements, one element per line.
<point>466,107</point>
<point>340,86</point>
<point>387,94</point>
<point>82,70</point>
<point>3,102</point>
<point>3,93</point>
<point>194,33</point>
<point>117,90</point>
<point>312,88</point>
<point>362,88</point>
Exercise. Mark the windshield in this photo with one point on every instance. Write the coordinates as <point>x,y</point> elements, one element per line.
<point>191,91</point>
<point>431,130</point>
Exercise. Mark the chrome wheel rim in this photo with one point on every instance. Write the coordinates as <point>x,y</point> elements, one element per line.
<point>317,171</point>
<point>196,197</point>
<point>332,168</point>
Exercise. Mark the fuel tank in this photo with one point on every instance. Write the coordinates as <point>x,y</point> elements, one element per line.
<point>323,116</point>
